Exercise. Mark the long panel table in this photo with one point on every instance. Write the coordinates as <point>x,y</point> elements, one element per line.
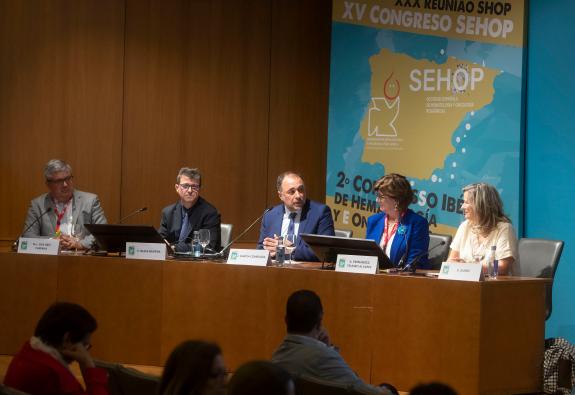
<point>479,337</point>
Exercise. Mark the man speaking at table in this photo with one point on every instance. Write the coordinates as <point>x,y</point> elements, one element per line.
<point>63,211</point>
<point>296,214</point>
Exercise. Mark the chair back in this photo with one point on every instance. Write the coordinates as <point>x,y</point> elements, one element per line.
<point>225,234</point>
<point>438,255</point>
<point>539,258</point>
<point>127,381</point>
<point>343,233</point>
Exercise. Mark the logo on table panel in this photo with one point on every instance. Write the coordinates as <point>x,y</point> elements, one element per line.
<point>384,110</point>
<point>445,269</point>
<point>131,250</point>
<point>24,245</point>
<point>234,256</point>
<point>342,262</point>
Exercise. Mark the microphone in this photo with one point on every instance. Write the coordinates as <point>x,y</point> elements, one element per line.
<point>221,253</point>
<point>17,241</point>
<point>132,214</point>
<point>413,264</point>
<point>405,254</point>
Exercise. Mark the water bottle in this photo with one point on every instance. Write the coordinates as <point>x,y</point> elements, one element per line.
<point>490,262</point>
<point>196,246</point>
<point>495,266</point>
<point>280,251</point>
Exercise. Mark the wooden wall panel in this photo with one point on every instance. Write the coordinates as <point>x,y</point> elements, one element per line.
<point>29,285</point>
<point>129,321</point>
<point>197,93</point>
<point>61,70</point>
<point>130,91</point>
<point>300,56</point>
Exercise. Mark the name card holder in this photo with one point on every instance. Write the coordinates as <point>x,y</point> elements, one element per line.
<point>248,257</point>
<point>461,271</point>
<point>33,245</point>
<point>151,251</point>
<point>356,264</point>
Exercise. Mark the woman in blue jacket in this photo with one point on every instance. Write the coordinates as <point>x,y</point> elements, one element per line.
<point>402,234</point>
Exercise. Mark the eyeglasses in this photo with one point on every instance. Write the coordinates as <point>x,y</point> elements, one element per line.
<point>381,197</point>
<point>60,181</point>
<point>193,187</point>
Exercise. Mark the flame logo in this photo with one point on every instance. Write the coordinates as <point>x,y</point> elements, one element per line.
<point>392,85</point>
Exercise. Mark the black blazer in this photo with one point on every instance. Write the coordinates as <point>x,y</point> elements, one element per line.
<point>202,216</point>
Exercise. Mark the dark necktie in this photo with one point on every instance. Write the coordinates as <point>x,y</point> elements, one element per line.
<point>291,226</point>
<point>185,228</point>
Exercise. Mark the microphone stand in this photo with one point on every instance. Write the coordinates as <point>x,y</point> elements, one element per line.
<point>221,253</point>
<point>17,241</point>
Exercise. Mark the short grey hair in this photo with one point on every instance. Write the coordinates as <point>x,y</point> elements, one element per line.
<point>55,166</point>
<point>281,177</point>
<point>191,173</point>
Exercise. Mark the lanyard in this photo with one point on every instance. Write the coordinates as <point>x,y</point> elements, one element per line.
<point>388,233</point>
<point>60,215</point>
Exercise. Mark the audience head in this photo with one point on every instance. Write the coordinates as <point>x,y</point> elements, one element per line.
<point>64,324</point>
<point>194,367</point>
<point>291,190</point>
<point>482,206</point>
<point>304,312</point>
<point>432,389</point>
<point>394,194</point>
<point>59,180</point>
<point>261,377</point>
<point>188,184</point>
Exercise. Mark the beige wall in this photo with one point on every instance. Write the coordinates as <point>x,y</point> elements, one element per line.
<point>130,91</point>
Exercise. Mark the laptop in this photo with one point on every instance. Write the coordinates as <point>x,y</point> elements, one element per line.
<point>113,238</point>
<point>326,248</point>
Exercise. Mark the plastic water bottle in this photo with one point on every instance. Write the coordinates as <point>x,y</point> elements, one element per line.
<point>196,246</point>
<point>495,267</point>
<point>280,251</point>
<point>490,262</point>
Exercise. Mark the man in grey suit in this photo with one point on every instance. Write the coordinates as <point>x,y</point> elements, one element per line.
<point>63,211</point>
<point>306,351</point>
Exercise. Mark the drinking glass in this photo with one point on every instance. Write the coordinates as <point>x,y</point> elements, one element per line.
<point>290,245</point>
<point>204,239</point>
<point>76,233</point>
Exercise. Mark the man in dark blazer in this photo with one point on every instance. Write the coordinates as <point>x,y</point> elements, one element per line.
<point>190,213</point>
<point>63,211</point>
<point>296,213</point>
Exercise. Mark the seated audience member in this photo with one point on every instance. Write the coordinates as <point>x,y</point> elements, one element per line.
<point>296,215</point>
<point>261,377</point>
<point>485,225</point>
<point>306,350</point>
<point>194,368</point>
<point>402,234</point>
<point>190,213</point>
<point>432,389</point>
<point>68,208</point>
<point>62,336</point>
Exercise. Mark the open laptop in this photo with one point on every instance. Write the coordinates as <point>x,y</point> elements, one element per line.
<point>113,238</point>
<point>326,248</point>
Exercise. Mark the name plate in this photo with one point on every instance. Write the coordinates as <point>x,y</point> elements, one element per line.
<point>461,271</point>
<point>356,264</point>
<point>153,251</point>
<point>32,245</point>
<point>248,257</point>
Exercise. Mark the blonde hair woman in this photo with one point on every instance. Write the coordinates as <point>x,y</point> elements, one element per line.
<point>485,225</point>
